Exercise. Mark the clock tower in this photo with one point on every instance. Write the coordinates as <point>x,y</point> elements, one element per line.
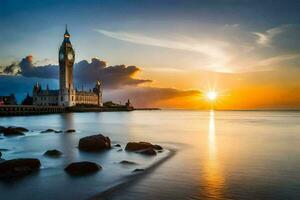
<point>66,59</point>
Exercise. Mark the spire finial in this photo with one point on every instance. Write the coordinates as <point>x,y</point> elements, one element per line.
<point>67,33</point>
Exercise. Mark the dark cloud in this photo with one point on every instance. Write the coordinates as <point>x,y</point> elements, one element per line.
<point>27,69</point>
<point>112,76</point>
<point>85,72</point>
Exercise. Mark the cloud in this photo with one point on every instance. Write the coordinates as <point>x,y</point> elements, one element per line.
<point>149,96</point>
<point>211,48</point>
<point>27,69</point>
<point>119,81</point>
<point>112,76</point>
<point>85,73</point>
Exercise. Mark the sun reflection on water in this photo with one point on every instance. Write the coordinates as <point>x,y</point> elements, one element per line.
<point>214,180</point>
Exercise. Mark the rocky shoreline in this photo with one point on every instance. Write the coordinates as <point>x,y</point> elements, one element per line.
<point>14,169</point>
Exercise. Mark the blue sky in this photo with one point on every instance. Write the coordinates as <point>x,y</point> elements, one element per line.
<point>36,27</point>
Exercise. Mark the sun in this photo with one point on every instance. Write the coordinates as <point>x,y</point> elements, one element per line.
<point>212,95</point>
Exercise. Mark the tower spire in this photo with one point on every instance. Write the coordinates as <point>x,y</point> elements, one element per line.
<point>67,35</point>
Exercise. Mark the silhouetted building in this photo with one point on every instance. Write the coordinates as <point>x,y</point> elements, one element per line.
<point>67,95</point>
<point>28,100</point>
<point>128,104</point>
<point>8,100</point>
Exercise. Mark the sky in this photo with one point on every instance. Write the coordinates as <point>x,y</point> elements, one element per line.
<point>159,53</point>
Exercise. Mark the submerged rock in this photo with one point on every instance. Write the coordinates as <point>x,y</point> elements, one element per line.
<point>70,131</point>
<point>138,170</point>
<point>126,162</point>
<point>117,145</point>
<point>94,143</point>
<point>53,153</point>
<point>48,131</point>
<point>18,167</point>
<point>120,150</point>
<point>82,168</point>
<point>57,131</point>
<point>11,131</point>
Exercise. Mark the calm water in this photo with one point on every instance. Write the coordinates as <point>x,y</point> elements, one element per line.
<point>220,155</point>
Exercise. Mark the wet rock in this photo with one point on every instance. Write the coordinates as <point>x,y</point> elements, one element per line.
<point>148,152</point>
<point>18,167</point>
<point>22,129</point>
<point>157,147</point>
<point>137,146</point>
<point>11,131</point>
<point>48,131</point>
<point>94,143</point>
<point>117,145</point>
<point>120,150</point>
<point>0,154</point>
<point>53,153</point>
<point>126,162</point>
<point>138,170</point>
<point>70,131</point>
<point>145,148</point>
<point>82,168</point>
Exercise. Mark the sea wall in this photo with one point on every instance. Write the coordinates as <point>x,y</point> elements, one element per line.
<point>17,110</point>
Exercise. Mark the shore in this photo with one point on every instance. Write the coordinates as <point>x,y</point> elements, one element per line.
<point>131,179</point>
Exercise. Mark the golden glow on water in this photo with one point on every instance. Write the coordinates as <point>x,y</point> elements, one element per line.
<point>214,180</point>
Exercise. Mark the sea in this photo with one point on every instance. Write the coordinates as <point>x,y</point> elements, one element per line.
<point>207,155</point>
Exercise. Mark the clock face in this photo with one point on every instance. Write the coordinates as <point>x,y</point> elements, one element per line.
<point>61,56</point>
<point>70,56</point>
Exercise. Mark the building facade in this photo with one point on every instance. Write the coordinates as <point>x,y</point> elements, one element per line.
<point>8,100</point>
<point>67,95</point>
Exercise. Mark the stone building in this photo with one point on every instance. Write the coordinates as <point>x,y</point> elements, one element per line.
<point>67,95</point>
<point>8,100</point>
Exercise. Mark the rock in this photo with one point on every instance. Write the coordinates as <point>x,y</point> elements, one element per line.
<point>53,153</point>
<point>117,145</point>
<point>137,146</point>
<point>126,162</point>
<point>157,147</point>
<point>11,131</point>
<point>120,150</point>
<point>94,143</point>
<point>18,167</point>
<point>22,129</point>
<point>48,131</point>
<point>82,168</point>
<point>148,152</point>
<point>2,128</point>
<point>138,170</point>
<point>145,148</point>
<point>70,131</point>
<point>4,150</point>
<point>0,154</point>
